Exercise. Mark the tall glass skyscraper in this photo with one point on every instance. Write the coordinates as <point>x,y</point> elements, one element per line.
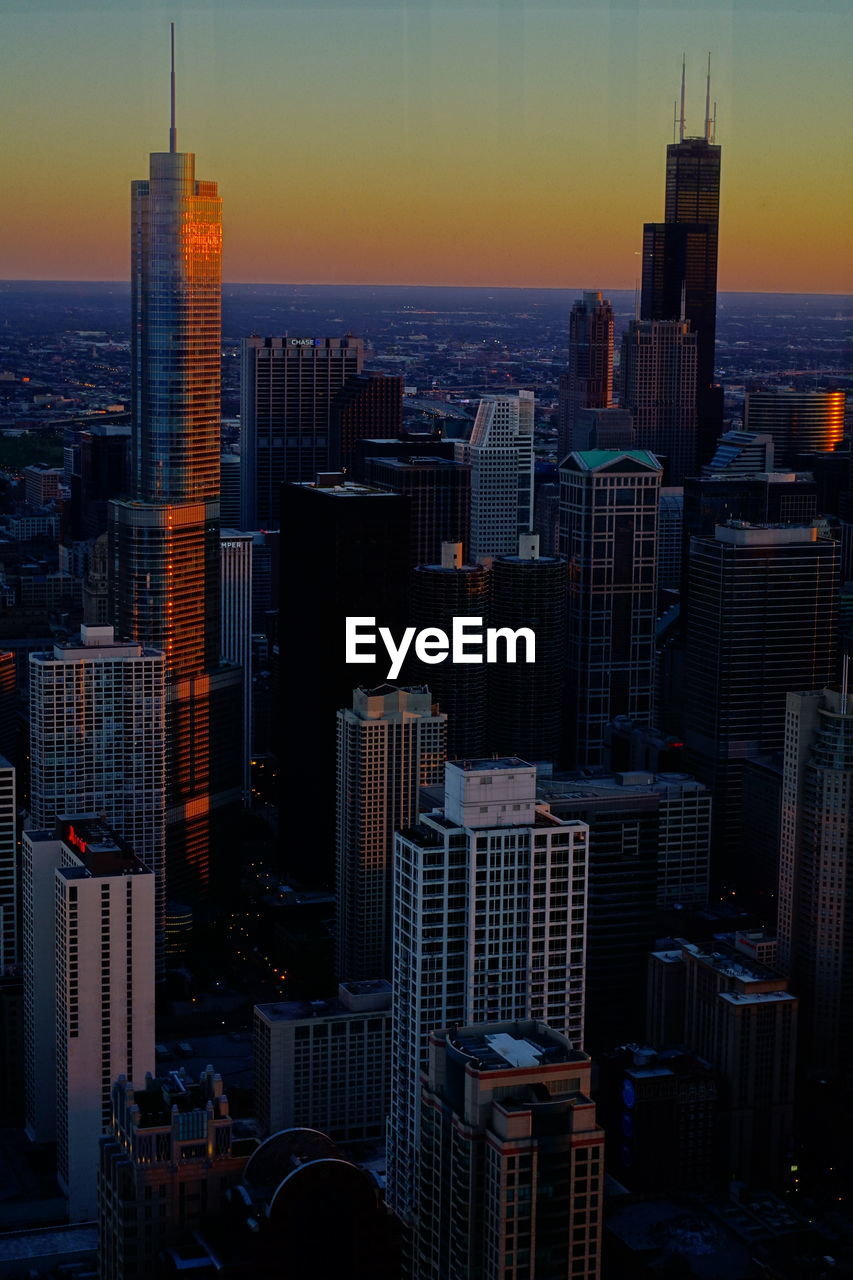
<point>165,538</point>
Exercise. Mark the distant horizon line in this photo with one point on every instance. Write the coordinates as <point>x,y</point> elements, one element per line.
<point>320,284</point>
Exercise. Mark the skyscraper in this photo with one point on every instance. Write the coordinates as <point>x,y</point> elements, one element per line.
<point>288,386</point>
<point>816,872</point>
<point>680,259</point>
<point>588,380</point>
<point>798,422</point>
<point>762,606</point>
<point>608,534</point>
<point>512,1168</point>
<point>439,495</point>
<point>9,877</point>
<point>500,453</point>
<point>489,924</point>
<point>369,404</point>
<point>659,389</point>
<point>89,1011</point>
<point>236,554</point>
<point>389,745</point>
<point>165,538</point>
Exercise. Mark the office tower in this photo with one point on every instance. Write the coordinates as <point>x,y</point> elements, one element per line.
<point>512,1164</point>
<point>588,380</point>
<point>777,497</point>
<point>738,1015</point>
<point>660,1113</point>
<point>546,518</point>
<point>439,495</point>
<point>500,454</point>
<point>603,429</point>
<point>741,453</point>
<point>89,1010</point>
<point>816,872</point>
<point>761,818</point>
<point>287,389</point>
<point>229,491</point>
<point>761,621</point>
<point>659,390</point>
<point>10,950</point>
<point>798,422</point>
<point>489,924</point>
<point>369,404</point>
<point>670,538</point>
<point>680,261</point>
<point>326,1064</point>
<point>42,484</point>
<point>439,593</point>
<point>97,743</point>
<point>390,743</point>
<point>236,551</point>
<point>344,554</point>
<point>166,1164</point>
<point>410,444</point>
<point>104,473</point>
<point>649,849</point>
<point>9,724</point>
<point>526,701</point>
<point>608,534</point>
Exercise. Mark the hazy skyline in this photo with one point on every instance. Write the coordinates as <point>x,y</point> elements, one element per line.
<point>488,142</point>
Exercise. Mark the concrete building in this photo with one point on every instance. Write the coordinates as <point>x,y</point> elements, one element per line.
<point>500,454</point>
<point>326,1064</point>
<point>41,484</point>
<point>88,1010</point>
<point>166,1164</point>
<point>512,1162</point>
<point>390,743</point>
<point>489,924</point>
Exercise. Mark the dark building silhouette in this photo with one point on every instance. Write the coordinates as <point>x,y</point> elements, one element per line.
<point>104,473</point>
<point>658,374</point>
<point>344,554</point>
<point>588,380</point>
<point>439,496</point>
<point>439,593</point>
<point>761,622</point>
<point>368,404</point>
<point>409,445</point>
<point>526,699</point>
<point>774,498</point>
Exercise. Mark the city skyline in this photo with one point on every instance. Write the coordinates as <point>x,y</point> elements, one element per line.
<point>394,142</point>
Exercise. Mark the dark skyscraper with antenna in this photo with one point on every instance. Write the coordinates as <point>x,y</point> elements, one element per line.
<point>680,257</point>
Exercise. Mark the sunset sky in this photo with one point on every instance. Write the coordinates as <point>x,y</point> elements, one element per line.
<point>495,142</point>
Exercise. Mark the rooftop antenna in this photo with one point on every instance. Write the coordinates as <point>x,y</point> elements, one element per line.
<point>173,133</point>
<point>674,119</point>
<point>681,117</point>
<point>714,125</point>
<point>708,121</point>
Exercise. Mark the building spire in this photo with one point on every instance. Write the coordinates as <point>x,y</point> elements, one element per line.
<point>709,128</point>
<point>681,124</point>
<point>173,133</point>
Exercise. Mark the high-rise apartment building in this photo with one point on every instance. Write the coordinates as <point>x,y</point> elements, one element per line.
<point>761,621</point>
<point>439,495</point>
<point>165,538</point>
<point>680,261</point>
<point>525,705</point>
<point>798,422</point>
<point>288,386</point>
<point>326,1064</point>
<point>10,946</point>
<point>390,743</point>
<point>500,454</point>
<point>609,508</point>
<point>489,924</point>
<point>816,872</point>
<point>659,389</point>
<point>236,551</point>
<point>89,1010</point>
<point>98,743</point>
<point>439,593</point>
<point>512,1163</point>
<point>588,380</point>
<point>166,1164</point>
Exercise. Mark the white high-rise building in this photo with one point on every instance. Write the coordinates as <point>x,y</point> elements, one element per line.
<point>9,942</point>
<point>88,990</point>
<point>489,925</point>
<point>235,620</point>
<point>500,454</point>
<point>97,742</point>
<point>389,745</point>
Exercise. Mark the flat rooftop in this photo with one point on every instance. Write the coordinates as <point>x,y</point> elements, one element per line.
<point>504,1047</point>
<point>486,766</point>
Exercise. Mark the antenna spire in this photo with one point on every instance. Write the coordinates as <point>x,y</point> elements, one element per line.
<point>708,121</point>
<point>681,124</point>
<point>674,119</point>
<point>173,133</point>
